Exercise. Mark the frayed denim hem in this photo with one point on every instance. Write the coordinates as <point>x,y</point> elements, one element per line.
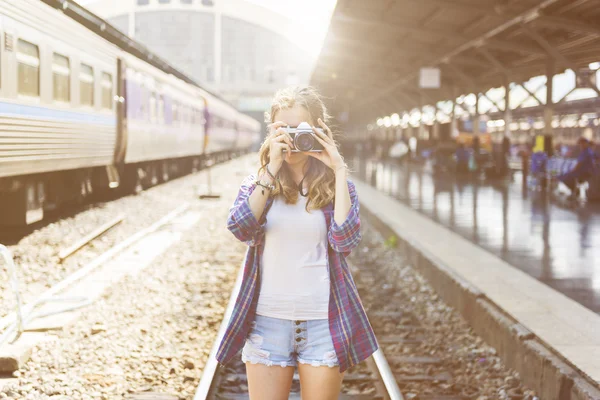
<point>268,363</point>
<point>315,363</point>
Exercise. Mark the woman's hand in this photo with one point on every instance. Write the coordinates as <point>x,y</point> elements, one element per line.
<point>279,140</point>
<point>330,156</point>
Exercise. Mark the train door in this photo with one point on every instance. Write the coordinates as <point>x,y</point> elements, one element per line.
<point>121,98</point>
<point>206,119</point>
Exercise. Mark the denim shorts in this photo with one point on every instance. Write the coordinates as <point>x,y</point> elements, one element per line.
<point>283,342</point>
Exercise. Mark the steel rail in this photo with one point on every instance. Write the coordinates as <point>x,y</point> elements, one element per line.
<point>17,321</point>
<point>205,387</point>
<point>69,251</point>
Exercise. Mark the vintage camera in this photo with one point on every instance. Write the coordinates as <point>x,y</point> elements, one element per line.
<point>303,138</point>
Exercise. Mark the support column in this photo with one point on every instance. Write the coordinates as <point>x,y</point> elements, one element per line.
<point>477,116</point>
<point>549,108</point>
<point>218,47</point>
<point>131,20</point>
<point>422,122</point>
<point>453,126</point>
<point>435,132</point>
<point>507,110</point>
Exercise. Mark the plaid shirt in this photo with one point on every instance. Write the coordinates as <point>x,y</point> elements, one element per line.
<point>352,335</point>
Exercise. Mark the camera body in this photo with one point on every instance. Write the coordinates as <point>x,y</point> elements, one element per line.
<point>303,138</point>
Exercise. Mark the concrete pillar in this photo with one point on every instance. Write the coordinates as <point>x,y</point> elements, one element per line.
<point>422,122</point>
<point>507,110</point>
<point>453,126</point>
<point>477,116</point>
<point>131,20</point>
<point>549,107</point>
<point>218,52</point>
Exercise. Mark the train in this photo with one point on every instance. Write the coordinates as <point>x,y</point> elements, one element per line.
<point>84,109</point>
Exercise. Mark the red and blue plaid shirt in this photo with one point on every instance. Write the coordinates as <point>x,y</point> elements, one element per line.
<point>352,335</point>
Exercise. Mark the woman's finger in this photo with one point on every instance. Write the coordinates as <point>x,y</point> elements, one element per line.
<point>278,132</point>
<point>325,144</point>
<point>281,137</point>
<point>326,128</point>
<point>281,131</point>
<point>275,126</point>
<point>322,136</point>
<point>286,135</point>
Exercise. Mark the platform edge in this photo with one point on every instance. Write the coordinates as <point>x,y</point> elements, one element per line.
<point>540,368</point>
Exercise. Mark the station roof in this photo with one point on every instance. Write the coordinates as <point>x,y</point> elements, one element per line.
<point>370,61</point>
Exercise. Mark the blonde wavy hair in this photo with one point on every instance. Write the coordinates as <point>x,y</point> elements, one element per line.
<point>320,178</point>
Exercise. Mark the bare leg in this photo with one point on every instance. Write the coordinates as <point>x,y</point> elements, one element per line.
<point>320,383</point>
<point>269,383</point>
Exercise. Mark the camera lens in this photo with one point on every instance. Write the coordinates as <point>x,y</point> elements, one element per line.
<point>304,141</point>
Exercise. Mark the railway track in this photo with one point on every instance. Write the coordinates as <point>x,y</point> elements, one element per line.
<point>378,378</point>
<point>373,381</point>
<point>430,353</point>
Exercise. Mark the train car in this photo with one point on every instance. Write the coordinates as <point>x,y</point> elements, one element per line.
<point>222,129</point>
<point>83,109</point>
<point>57,115</point>
<point>163,123</point>
<point>249,132</point>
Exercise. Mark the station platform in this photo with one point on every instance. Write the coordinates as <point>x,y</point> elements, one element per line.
<point>554,244</point>
<point>538,330</point>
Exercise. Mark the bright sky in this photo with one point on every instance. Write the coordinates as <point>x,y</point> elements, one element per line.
<point>311,19</point>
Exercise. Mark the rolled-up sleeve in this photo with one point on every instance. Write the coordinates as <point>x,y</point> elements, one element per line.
<point>345,237</point>
<point>241,222</point>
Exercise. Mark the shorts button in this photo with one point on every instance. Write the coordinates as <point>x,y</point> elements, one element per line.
<point>297,322</point>
<point>298,330</point>
<point>298,339</point>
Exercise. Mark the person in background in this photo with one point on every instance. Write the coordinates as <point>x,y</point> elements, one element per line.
<point>505,154</point>
<point>476,153</point>
<point>462,158</point>
<point>583,169</point>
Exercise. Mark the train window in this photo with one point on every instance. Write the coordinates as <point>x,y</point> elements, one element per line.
<point>86,85</point>
<point>28,57</point>
<point>107,91</point>
<point>270,75</point>
<point>153,107</point>
<point>143,2</point>
<point>164,1</point>
<point>61,77</point>
<point>186,1</point>
<point>161,110</point>
<point>175,112</point>
<point>143,103</point>
<point>208,3</point>
<point>210,77</point>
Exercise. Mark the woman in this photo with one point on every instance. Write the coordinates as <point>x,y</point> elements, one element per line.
<point>298,305</point>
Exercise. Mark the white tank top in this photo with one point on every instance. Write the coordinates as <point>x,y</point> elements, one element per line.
<point>294,270</point>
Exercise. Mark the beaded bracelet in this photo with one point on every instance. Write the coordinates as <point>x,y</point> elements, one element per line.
<point>264,186</point>
<point>270,174</point>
